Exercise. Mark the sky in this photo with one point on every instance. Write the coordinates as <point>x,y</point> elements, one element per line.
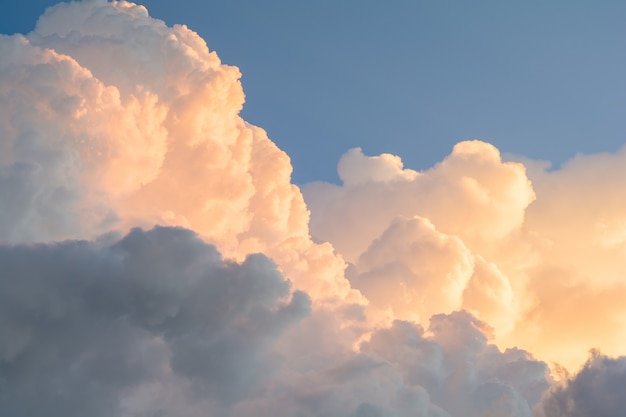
<point>412,78</point>
<point>312,210</point>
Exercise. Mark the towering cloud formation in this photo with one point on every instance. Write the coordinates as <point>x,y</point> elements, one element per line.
<point>425,242</point>
<point>111,123</point>
<point>472,232</point>
<point>111,118</point>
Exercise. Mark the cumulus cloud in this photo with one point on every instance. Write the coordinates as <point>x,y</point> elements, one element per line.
<point>471,194</point>
<point>427,238</point>
<point>414,270</point>
<point>101,328</point>
<point>522,255</point>
<point>158,323</point>
<point>450,369</point>
<point>460,370</point>
<point>111,119</point>
<point>112,122</point>
<point>70,144</point>
<point>596,390</point>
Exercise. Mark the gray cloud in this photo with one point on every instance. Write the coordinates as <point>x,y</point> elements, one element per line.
<point>596,390</point>
<point>85,324</point>
<point>448,370</point>
<point>461,372</point>
<point>158,323</point>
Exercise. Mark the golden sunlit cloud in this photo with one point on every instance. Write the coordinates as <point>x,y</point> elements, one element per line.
<point>541,254</point>
<point>157,260</point>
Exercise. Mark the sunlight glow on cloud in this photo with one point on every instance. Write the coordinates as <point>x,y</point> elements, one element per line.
<point>157,260</point>
<point>540,256</point>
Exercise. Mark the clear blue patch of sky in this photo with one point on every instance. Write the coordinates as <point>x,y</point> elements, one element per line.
<point>545,79</point>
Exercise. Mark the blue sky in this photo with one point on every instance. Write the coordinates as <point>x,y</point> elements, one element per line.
<point>542,79</point>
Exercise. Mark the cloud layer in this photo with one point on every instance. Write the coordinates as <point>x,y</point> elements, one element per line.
<point>158,323</point>
<point>408,300</point>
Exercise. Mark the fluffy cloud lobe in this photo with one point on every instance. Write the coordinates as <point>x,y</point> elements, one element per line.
<point>596,390</point>
<point>106,328</point>
<point>474,232</point>
<point>100,132</point>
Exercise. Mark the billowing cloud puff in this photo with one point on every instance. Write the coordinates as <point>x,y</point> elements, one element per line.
<point>471,194</point>
<point>422,241</point>
<point>215,162</point>
<point>106,328</point>
<point>524,258</point>
<point>111,119</point>
<point>596,390</point>
<point>70,144</point>
<point>157,323</point>
<point>354,169</point>
<point>458,368</point>
<point>414,270</point>
<point>448,370</point>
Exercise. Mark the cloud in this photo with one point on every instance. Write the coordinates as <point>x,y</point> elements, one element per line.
<point>112,122</point>
<point>158,322</point>
<point>414,270</point>
<point>70,144</point>
<point>423,241</point>
<point>87,326</point>
<point>450,369</point>
<point>492,193</point>
<point>597,389</point>
<point>521,255</point>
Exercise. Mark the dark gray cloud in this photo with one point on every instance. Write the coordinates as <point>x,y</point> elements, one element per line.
<point>86,325</point>
<point>597,390</point>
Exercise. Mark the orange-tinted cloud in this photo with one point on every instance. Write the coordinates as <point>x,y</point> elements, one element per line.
<point>542,261</point>
<point>142,132</point>
<point>110,120</point>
